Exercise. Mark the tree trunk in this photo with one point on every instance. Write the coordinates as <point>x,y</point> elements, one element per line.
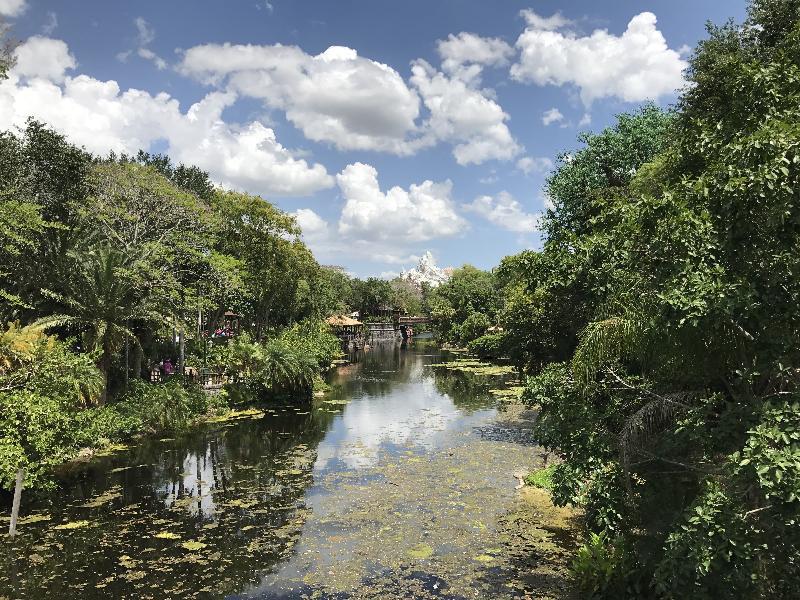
<point>127,362</point>
<point>137,361</point>
<point>12,528</point>
<point>181,351</point>
<point>105,369</point>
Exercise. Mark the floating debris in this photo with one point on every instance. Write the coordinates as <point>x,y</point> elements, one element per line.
<point>72,525</point>
<point>193,546</point>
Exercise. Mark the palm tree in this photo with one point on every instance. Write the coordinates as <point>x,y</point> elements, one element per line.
<point>99,301</point>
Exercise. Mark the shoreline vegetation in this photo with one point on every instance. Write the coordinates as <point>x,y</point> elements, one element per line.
<point>654,333</point>
<point>658,328</point>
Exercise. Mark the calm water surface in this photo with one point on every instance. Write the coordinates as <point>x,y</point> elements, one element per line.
<point>388,486</point>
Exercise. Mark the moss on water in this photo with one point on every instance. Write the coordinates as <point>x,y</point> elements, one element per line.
<point>421,505</point>
<point>476,367</point>
<point>426,514</point>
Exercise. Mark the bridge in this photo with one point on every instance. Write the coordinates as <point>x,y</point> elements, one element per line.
<point>414,320</point>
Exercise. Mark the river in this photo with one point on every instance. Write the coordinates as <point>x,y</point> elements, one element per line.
<point>400,482</point>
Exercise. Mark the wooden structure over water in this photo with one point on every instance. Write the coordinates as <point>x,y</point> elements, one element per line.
<point>349,331</point>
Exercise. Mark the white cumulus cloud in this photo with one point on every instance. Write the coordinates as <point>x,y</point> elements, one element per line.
<point>100,116</point>
<point>464,55</point>
<point>635,66</point>
<point>422,212</point>
<point>552,116</point>
<point>12,8</point>
<point>506,212</point>
<point>538,164</point>
<point>313,226</point>
<point>465,116</point>
<point>43,57</point>
<point>355,103</point>
<point>551,23</point>
<point>337,96</point>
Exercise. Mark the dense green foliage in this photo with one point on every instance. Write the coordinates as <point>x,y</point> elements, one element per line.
<point>43,387</point>
<point>661,322</point>
<point>286,364</point>
<point>464,307</point>
<point>129,261</point>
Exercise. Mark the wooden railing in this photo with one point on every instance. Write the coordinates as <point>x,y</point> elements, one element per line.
<point>204,377</point>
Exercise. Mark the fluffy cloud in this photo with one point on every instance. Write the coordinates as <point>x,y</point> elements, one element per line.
<point>336,96</point>
<point>635,66</point>
<point>356,103</point>
<point>422,212</point>
<point>42,57</point>
<point>464,55</point>
<point>551,23</point>
<point>313,226</point>
<point>12,8</point>
<point>464,116</point>
<point>504,211</point>
<point>540,164</point>
<point>98,115</point>
<point>552,116</point>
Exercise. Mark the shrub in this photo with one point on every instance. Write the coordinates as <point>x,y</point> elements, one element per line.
<point>491,345</point>
<point>315,338</point>
<point>473,327</point>
<point>542,478</point>
<point>599,567</point>
<point>275,367</point>
<point>161,407</point>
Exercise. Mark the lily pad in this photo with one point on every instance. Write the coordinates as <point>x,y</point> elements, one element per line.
<point>193,546</point>
<point>421,551</point>
<point>72,525</point>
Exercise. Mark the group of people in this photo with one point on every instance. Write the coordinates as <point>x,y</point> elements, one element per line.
<point>222,332</point>
<point>166,368</point>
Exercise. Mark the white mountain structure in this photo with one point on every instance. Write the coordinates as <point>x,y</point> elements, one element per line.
<point>427,272</point>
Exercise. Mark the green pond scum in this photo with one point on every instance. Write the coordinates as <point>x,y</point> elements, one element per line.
<point>400,482</point>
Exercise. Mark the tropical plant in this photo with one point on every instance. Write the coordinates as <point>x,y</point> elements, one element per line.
<point>100,301</point>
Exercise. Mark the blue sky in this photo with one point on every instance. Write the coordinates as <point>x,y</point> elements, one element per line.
<point>462,132</point>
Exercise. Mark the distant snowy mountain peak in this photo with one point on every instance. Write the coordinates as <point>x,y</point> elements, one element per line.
<point>427,272</point>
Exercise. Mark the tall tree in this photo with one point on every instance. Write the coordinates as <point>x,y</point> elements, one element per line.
<point>101,301</point>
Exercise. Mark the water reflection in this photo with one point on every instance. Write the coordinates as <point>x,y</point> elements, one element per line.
<point>210,513</point>
<point>403,407</point>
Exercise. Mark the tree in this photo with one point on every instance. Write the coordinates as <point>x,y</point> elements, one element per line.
<point>6,51</point>
<point>406,296</point>
<point>676,413</point>
<point>42,384</point>
<point>372,295</point>
<point>100,301</point>
<point>44,182</point>
<point>468,291</point>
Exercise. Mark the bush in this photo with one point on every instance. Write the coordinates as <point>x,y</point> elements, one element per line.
<point>276,367</point>
<point>599,568</point>
<point>161,407</point>
<point>542,478</point>
<point>473,327</point>
<point>315,338</point>
<point>491,345</point>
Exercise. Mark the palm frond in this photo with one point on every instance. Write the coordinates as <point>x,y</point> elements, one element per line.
<point>607,341</point>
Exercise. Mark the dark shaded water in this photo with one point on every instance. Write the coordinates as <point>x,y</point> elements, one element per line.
<point>360,491</point>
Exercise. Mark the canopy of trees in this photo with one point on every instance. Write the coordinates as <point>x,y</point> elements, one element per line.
<point>661,323</point>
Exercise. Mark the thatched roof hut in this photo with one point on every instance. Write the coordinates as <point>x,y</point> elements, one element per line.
<point>342,321</point>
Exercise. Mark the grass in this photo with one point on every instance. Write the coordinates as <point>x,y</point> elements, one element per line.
<point>543,478</point>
